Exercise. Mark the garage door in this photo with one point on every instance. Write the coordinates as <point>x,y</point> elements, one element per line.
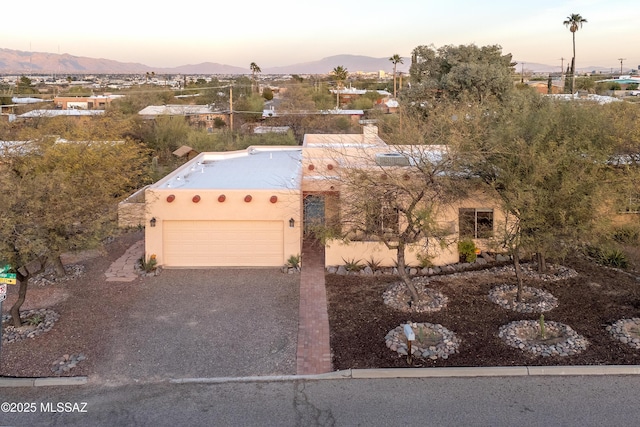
<point>223,243</point>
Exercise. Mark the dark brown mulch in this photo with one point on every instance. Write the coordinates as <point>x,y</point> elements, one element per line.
<point>588,303</point>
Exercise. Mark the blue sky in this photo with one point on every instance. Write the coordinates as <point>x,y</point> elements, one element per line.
<point>167,34</point>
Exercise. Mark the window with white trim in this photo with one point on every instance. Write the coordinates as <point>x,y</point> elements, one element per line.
<point>475,223</point>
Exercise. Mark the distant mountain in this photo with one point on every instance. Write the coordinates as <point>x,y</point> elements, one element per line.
<point>16,61</point>
<point>544,68</point>
<point>206,68</point>
<point>352,63</point>
<point>20,62</point>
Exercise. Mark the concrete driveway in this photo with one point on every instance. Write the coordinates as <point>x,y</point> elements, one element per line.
<point>203,323</point>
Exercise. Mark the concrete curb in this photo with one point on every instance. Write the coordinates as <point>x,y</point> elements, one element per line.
<point>498,371</point>
<point>42,382</point>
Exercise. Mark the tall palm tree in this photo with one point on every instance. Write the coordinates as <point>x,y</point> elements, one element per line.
<point>574,23</point>
<point>395,59</point>
<point>254,70</point>
<point>340,74</point>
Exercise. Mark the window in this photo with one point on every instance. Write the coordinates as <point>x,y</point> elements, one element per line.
<point>381,219</point>
<point>475,223</point>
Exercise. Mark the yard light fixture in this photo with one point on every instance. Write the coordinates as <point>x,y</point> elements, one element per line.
<point>152,222</point>
<point>292,222</point>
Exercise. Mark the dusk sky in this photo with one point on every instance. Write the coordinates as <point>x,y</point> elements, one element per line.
<point>288,32</point>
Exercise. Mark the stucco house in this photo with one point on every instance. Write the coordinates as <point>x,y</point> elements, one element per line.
<point>202,116</point>
<point>252,207</point>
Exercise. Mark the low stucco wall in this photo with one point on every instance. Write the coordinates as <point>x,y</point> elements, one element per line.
<point>338,252</point>
<point>131,210</point>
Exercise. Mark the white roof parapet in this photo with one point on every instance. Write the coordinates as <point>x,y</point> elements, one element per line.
<point>277,168</point>
<point>176,110</point>
<point>56,113</point>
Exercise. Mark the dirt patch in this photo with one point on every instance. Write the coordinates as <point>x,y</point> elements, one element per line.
<point>85,304</point>
<point>596,298</point>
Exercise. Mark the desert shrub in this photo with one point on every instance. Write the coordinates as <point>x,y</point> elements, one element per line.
<point>627,234</point>
<point>293,261</point>
<point>373,263</point>
<point>467,250</point>
<point>611,257</point>
<point>352,265</point>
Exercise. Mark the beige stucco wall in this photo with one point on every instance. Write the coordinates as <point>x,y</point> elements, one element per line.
<point>338,252</point>
<point>233,208</point>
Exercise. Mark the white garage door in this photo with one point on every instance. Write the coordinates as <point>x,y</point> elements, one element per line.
<point>223,243</point>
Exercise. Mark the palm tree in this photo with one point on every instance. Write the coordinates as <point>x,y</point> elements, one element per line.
<point>340,74</point>
<point>395,59</point>
<point>254,70</point>
<point>574,23</point>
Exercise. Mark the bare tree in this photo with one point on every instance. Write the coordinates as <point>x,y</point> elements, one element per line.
<point>396,195</point>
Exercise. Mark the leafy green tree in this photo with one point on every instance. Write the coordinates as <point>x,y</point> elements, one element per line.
<point>322,97</point>
<point>297,98</point>
<point>249,107</point>
<point>60,197</point>
<point>574,22</point>
<point>267,93</point>
<point>460,72</point>
<point>585,83</point>
<point>25,86</point>
<point>136,100</point>
<point>544,159</point>
<point>395,60</point>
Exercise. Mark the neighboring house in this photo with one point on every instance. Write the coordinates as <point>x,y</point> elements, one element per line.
<point>38,114</point>
<point>354,115</point>
<point>196,115</point>
<point>252,207</point>
<point>93,102</point>
<point>349,94</point>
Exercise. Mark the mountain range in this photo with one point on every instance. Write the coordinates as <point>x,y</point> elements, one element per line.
<point>21,62</point>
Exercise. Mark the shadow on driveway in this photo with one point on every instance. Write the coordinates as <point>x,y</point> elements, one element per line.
<point>203,323</point>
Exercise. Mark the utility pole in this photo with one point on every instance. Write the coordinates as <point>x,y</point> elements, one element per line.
<point>621,59</point>
<point>561,66</point>
<point>231,108</point>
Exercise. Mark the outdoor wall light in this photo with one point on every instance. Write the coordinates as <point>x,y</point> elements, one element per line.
<point>195,199</point>
<point>273,199</point>
<point>292,223</point>
<point>152,222</point>
<point>248,198</point>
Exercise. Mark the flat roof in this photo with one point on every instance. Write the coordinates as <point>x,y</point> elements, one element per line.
<point>257,168</point>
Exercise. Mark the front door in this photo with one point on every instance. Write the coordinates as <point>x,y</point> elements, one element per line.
<point>313,213</point>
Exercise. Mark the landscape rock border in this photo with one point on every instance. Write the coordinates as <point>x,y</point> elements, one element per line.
<point>572,342</point>
<point>546,301</point>
<point>619,330</point>
<point>449,343</point>
<point>67,362</point>
<point>11,334</point>
<point>395,297</point>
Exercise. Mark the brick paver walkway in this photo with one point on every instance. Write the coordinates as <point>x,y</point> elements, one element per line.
<point>123,269</point>
<point>314,351</point>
